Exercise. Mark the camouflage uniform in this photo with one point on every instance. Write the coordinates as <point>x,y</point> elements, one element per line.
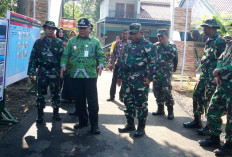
<point>45,56</point>
<point>166,64</point>
<point>222,98</point>
<point>202,94</point>
<point>205,87</point>
<point>137,64</point>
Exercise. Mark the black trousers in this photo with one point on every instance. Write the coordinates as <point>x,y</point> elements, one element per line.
<point>66,93</point>
<point>114,84</point>
<point>85,89</point>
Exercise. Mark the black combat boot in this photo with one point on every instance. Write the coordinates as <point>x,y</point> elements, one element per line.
<point>203,131</point>
<point>170,112</point>
<point>141,129</point>
<point>160,110</point>
<point>130,126</point>
<point>196,123</point>
<point>56,115</point>
<point>213,141</point>
<point>225,150</point>
<point>40,115</point>
<point>94,124</point>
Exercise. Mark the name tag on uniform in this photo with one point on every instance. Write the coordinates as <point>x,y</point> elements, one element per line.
<point>86,54</point>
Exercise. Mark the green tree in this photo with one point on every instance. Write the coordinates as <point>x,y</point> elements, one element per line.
<point>85,8</point>
<point>7,5</point>
<point>223,20</point>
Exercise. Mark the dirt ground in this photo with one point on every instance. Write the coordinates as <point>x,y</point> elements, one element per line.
<point>18,102</point>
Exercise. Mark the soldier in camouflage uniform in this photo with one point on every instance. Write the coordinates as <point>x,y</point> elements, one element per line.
<point>86,54</point>
<point>167,63</point>
<point>205,87</point>
<point>45,56</point>
<point>221,103</point>
<point>136,71</point>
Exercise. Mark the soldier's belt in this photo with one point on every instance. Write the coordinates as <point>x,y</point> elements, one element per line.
<point>50,65</point>
<point>135,69</point>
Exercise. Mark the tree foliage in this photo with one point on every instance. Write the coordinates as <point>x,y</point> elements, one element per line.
<point>85,8</point>
<point>7,5</point>
<point>223,20</point>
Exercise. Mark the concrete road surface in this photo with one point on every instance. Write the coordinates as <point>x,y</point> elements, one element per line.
<point>164,138</point>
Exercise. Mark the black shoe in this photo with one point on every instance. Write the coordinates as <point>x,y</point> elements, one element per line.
<point>170,112</point>
<point>73,113</point>
<point>95,130</point>
<point>79,126</point>
<point>110,99</point>
<point>56,115</point>
<point>40,115</point>
<point>196,123</point>
<point>127,128</point>
<point>130,125</point>
<point>225,150</point>
<point>204,131</point>
<point>160,110</point>
<point>141,129</point>
<point>213,141</point>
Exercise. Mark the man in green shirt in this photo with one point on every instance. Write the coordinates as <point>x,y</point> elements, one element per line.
<point>85,52</point>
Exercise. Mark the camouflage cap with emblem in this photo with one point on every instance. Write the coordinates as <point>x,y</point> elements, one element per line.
<point>162,32</point>
<point>83,23</point>
<point>134,28</point>
<point>210,23</point>
<point>50,24</point>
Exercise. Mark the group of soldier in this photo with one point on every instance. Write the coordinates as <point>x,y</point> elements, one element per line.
<point>136,63</point>
<point>212,94</point>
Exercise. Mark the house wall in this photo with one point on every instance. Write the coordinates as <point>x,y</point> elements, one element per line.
<point>199,10</point>
<point>104,9</point>
<point>110,6</point>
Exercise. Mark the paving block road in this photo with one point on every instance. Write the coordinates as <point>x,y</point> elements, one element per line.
<point>164,138</point>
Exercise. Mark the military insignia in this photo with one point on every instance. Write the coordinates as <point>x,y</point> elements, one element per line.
<point>82,22</point>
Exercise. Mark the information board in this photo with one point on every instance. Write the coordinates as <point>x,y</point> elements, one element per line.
<point>3,43</point>
<point>23,32</point>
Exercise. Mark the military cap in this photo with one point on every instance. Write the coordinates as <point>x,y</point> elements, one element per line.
<point>211,23</point>
<point>50,24</point>
<point>84,23</point>
<point>162,32</point>
<point>134,28</point>
<point>227,37</point>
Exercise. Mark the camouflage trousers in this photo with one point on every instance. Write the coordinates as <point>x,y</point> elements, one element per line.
<point>43,82</point>
<point>221,103</point>
<point>162,89</point>
<point>202,94</point>
<point>135,99</point>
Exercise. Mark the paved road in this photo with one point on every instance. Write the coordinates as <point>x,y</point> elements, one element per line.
<point>164,138</point>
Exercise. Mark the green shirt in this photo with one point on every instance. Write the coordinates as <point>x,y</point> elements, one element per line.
<point>86,54</point>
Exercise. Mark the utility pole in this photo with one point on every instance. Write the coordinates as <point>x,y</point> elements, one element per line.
<point>185,38</point>
<point>73,9</point>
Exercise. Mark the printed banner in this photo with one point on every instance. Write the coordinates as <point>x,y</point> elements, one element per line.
<point>23,32</point>
<point>68,24</point>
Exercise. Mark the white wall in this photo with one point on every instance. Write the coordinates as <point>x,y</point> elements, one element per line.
<point>54,7</point>
<point>198,10</point>
<point>104,7</point>
<point>110,5</point>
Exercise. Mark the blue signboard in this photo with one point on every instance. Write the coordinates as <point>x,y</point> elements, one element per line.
<point>23,32</point>
<point>3,43</point>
